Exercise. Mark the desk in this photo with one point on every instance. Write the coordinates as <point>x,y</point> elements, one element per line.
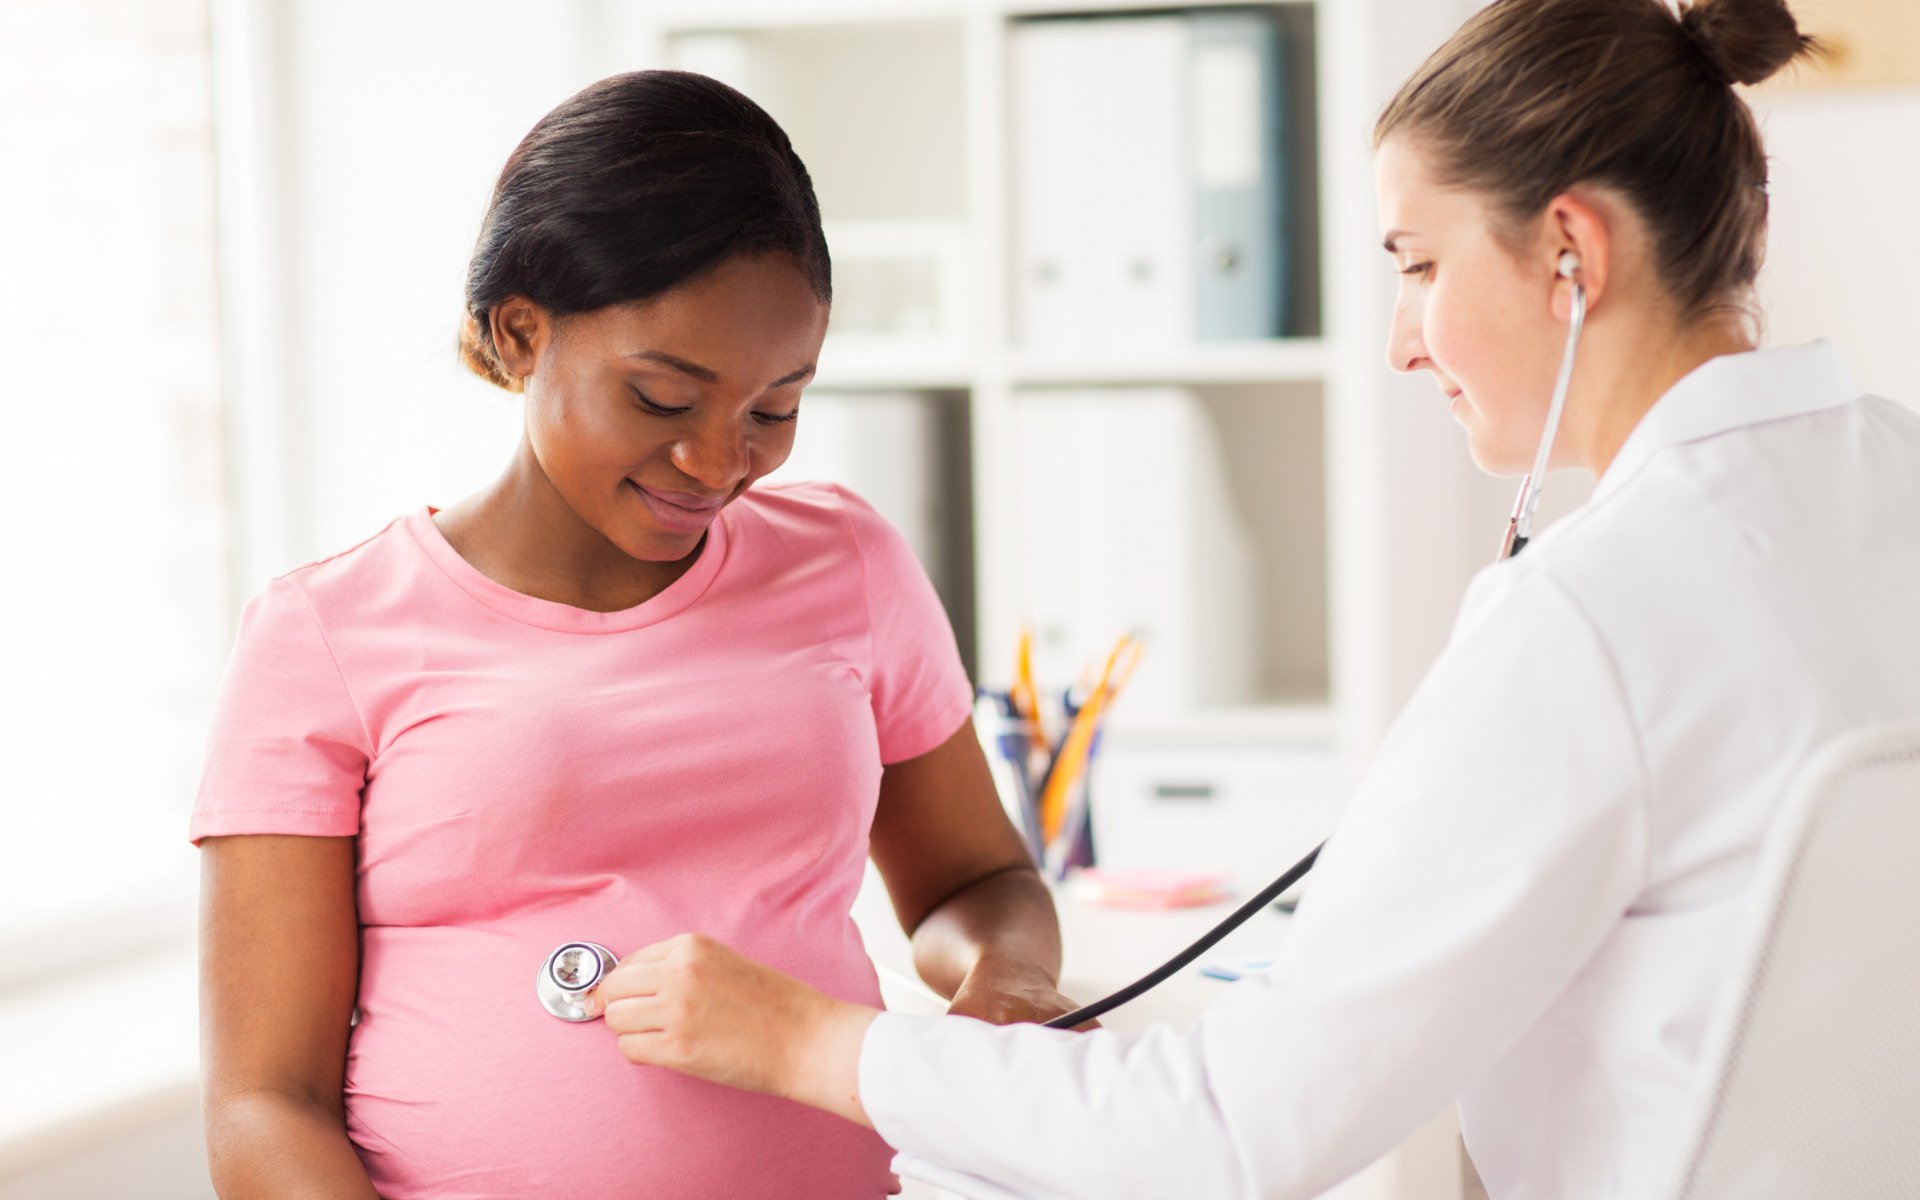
<point>1108,948</point>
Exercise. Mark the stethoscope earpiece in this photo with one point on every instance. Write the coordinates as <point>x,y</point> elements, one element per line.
<point>1569,263</point>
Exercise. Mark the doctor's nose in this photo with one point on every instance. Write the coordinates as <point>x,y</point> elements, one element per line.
<point>1406,349</point>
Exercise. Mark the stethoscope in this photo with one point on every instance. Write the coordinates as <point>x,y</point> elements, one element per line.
<point>1520,526</point>
<point>568,975</point>
<point>572,971</point>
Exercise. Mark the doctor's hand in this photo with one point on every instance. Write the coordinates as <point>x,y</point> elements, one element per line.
<point>694,1006</point>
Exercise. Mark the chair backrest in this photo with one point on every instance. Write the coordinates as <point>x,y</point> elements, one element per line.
<point>1812,1067</point>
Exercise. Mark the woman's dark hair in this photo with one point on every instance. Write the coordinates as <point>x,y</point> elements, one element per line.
<point>631,188</point>
<point>1532,97</point>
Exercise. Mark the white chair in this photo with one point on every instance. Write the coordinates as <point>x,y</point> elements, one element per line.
<point>1812,1068</point>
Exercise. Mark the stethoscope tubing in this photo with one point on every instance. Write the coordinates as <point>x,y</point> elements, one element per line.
<point>1520,529</point>
<point>1166,970</point>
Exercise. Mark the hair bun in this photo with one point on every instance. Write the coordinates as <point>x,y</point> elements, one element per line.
<point>477,354</point>
<point>1745,41</point>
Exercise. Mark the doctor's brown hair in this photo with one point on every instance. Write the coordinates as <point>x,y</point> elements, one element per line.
<point>1532,97</point>
<point>630,188</point>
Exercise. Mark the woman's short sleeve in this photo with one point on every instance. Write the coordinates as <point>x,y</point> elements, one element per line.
<point>920,689</point>
<point>288,752</point>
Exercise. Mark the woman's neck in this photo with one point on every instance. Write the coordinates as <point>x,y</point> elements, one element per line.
<point>522,534</point>
<point>1626,364</point>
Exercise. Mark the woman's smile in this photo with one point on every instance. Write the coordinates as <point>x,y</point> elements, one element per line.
<point>676,511</point>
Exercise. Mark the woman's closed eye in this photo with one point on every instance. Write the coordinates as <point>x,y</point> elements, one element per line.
<point>657,409</point>
<point>649,405</point>
<point>1420,269</point>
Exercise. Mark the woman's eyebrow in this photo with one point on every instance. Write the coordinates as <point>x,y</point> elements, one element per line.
<point>704,374</point>
<point>708,374</point>
<point>1392,238</point>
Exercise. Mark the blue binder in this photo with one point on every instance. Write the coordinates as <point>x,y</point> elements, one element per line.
<point>1238,167</point>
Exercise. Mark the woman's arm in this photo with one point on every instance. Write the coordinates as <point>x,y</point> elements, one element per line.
<point>279,966</point>
<point>964,887</point>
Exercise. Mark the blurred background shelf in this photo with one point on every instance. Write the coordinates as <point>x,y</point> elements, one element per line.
<point>1278,360</point>
<point>1280,726</point>
<point>841,369</point>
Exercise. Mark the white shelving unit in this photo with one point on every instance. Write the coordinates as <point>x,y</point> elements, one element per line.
<point>942,69</point>
<point>1280,360</point>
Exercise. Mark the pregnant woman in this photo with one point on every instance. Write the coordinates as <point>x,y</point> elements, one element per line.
<point>617,695</point>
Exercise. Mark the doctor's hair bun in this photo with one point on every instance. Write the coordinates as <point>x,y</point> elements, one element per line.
<point>632,187</point>
<point>1744,41</point>
<point>1530,98</point>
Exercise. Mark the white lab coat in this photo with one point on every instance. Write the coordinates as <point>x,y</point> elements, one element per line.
<point>1529,902</point>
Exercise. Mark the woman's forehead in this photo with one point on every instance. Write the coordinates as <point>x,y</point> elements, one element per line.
<point>1413,205</point>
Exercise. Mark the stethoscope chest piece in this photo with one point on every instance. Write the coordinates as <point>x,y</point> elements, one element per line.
<point>569,974</point>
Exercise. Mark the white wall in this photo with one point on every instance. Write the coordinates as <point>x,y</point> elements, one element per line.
<point>383,127</point>
<point>1400,486</point>
<point>1845,188</point>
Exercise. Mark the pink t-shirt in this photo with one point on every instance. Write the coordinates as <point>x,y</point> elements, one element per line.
<point>521,774</point>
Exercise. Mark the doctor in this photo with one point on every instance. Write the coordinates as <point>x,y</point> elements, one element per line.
<point>1528,903</point>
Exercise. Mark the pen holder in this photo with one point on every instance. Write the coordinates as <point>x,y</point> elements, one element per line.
<point>1024,764</point>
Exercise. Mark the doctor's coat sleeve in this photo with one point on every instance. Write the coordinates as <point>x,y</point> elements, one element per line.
<point>1499,837</point>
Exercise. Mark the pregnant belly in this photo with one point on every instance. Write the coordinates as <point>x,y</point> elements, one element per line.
<point>461,1087</point>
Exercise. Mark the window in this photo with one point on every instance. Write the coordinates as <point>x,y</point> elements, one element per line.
<point>113,581</point>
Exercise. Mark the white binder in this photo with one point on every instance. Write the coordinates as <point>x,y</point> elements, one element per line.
<point>1139,215</point>
<point>1102,204</point>
<point>1049,243</point>
<point>1126,524</point>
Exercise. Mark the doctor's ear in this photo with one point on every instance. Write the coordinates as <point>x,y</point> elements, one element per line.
<point>1579,237</point>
